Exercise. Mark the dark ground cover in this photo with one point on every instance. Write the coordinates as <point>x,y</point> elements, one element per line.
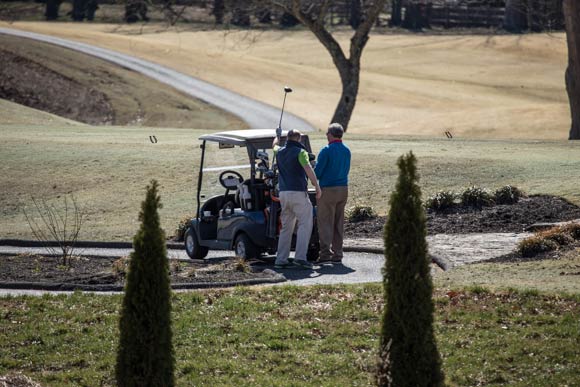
<point>109,271</point>
<point>499,218</point>
<point>89,273</point>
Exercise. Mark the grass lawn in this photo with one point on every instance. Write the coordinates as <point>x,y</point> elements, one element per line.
<point>298,336</point>
<point>107,169</point>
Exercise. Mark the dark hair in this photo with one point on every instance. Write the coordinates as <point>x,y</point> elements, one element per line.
<point>336,130</point>
<point>294,135</point>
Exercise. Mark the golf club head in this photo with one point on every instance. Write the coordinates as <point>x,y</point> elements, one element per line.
<point>287,89</point>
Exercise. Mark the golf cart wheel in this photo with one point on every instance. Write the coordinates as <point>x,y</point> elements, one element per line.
<point>192,247</point>
<point>244,247</point>
<point>312,254</point>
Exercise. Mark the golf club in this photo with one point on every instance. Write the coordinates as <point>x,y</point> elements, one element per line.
<point>286,91</point>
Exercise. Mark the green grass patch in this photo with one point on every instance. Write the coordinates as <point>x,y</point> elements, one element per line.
<point>107,168</point>
<point>289,336</point>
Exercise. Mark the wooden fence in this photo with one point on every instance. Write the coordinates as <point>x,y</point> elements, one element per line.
<point>465,16</point>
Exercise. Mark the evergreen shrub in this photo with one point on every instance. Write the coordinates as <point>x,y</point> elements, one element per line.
<point>145,353</point>
<point>408,354</point>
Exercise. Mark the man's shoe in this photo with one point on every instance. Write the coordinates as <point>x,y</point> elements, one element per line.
<point>287,265</point>
<point>324,260</point>
<point>302,264</point>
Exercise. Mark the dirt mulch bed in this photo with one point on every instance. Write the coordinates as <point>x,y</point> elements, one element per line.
<point>493,219</point>
<point>500,218</point>
<point>107,274</point>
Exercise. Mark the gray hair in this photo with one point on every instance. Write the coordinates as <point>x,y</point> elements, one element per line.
<point>336,130</point>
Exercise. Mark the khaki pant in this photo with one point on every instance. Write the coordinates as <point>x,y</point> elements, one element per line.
<point>330,215</point>
<point>296,211</point>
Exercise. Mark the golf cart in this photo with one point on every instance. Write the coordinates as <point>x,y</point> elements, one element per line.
<point>245,216</point>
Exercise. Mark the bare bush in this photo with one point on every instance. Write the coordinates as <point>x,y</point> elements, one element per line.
<point>57,228</point>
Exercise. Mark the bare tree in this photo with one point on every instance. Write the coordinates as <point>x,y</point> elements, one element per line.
<point>532,15</point>
<point>572,21</point>
<point>51,10</point>
<point>313,15</point>
<point>57,225</point>
<point>396,13</point>
<point>515,17</point>
<point>218,11</point>
<point>172,12</point>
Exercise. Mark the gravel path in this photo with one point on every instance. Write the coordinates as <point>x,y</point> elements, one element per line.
<point>256,114</point>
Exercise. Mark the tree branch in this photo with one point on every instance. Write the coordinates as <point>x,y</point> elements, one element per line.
<point>361,34</point>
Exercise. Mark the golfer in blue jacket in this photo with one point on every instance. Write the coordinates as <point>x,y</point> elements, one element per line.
<point>332,170</point>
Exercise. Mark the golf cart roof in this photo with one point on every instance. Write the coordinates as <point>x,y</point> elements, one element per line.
<point>241,137</point>
<point>257,138</point>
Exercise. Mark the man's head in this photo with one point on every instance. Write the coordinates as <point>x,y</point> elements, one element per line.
<point>294,135</point>
<point>335,130</point>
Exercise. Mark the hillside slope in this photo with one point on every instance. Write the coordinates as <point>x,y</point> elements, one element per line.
<point>86,89</point>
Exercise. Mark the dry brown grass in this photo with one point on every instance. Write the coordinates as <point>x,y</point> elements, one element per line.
<point>13,114</point>
<point>508,86</point>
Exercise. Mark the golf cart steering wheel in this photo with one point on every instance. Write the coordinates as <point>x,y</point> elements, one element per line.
<point>230,179</point>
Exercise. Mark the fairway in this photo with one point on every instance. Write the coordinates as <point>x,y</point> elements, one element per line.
<point>475,86</point>
<point>107,171</point>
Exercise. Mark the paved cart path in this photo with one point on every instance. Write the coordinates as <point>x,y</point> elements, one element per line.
<point>363,259</point>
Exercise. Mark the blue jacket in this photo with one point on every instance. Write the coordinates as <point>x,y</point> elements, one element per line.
<point>333,165</point>
<point>292,174</point>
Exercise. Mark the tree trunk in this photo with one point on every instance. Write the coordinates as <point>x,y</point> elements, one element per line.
<point>515,16</point>
<point>349,75</point>
<point>218,11</point>
<point>52,7</point>
<point>78,11</point>
<point>572,20</point>
<point>396,13</point>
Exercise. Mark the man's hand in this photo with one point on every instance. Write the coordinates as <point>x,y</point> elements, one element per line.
<point>278,131</point>
<point>318,193</point>
<point>310,173</point>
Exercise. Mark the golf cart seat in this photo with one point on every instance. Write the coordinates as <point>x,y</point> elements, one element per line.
<point>251,197</point>
<point>211,208</point>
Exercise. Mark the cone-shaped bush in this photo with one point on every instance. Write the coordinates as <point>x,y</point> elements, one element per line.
<point>408,353</point>
<point>145,353</point>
